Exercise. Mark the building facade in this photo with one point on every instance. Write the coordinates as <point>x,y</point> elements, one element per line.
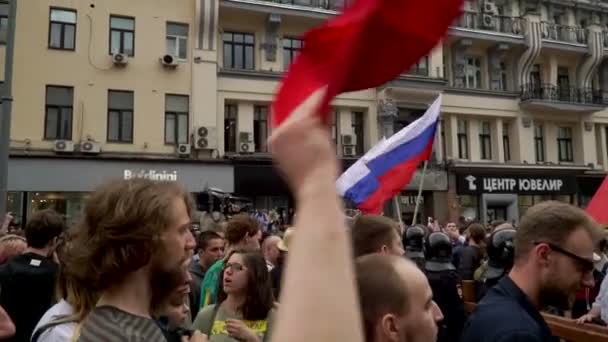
<point>182,91</point>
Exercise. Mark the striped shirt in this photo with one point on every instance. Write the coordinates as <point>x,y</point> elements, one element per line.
<point>107,323</point>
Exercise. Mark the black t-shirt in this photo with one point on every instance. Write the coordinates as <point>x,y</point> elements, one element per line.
<point>107,323</point>
<point>27,291</point>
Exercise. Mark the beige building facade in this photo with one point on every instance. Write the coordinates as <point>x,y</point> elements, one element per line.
<point>181,90</point>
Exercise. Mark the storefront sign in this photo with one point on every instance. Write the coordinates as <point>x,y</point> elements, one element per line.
<point>475,183</point>
<point>170,176</point>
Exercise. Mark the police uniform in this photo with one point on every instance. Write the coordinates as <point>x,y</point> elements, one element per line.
<point>444,281</point>
<point>413,240</point>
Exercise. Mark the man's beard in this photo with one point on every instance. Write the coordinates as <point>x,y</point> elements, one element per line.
<point>164,281</point>
<point>552,295</point>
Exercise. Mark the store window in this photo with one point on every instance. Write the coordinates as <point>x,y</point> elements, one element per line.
<point>230,127</point>
<point>260,128</point>
<point>68,204</point>
<point>539,142</point>
<point>485,140</point>
<point>469,207</point>
<point>176,119</point>
<point>15,207</point>
<point>564,144</point>
<point>506,143</point>
<point>463,140</point>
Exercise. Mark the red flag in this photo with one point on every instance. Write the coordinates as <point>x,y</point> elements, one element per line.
<point>598,206</point>
<point>369,44</point>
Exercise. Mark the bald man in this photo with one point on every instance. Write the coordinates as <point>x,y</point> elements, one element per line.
<point>396,300</point>
<point>271,251</point>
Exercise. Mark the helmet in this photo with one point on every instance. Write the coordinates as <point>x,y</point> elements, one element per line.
<point>500,249</point>
<point>438,246</point>
<point>413,239</point>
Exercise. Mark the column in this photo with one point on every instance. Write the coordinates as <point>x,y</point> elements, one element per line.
<point>551,71</point>
<point>587,143</point>
<point>474,148</point>
<point>452,133</point>
<point>533,39</point>
<point>551,150</point>
<point>523,140</point>
<point>590,63</point>
<point>498,150</point>
<point>438,144</point>
<point>602,146</point>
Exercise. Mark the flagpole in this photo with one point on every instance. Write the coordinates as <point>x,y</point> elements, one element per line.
<point>426,162</point>
<point>397,209</point>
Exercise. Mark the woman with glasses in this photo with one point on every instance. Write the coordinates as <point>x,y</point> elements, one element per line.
<point>245,303</point>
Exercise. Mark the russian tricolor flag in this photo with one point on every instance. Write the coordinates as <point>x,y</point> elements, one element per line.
<point>390,165</point>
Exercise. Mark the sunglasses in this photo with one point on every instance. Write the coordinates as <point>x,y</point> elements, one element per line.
<point>583,264</point>
<point>235,266</point>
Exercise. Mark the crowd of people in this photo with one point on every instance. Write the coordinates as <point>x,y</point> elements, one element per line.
<point>134,269</point>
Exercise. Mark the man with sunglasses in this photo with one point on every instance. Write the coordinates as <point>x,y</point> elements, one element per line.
<point>553,260</point>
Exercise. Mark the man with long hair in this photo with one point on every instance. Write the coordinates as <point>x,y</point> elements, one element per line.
<point>130,247</point>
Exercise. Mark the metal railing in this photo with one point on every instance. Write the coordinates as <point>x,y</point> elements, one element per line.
<point>553,93</point>
<point>487,22</point>
<point>563,33</point>
<point>335,5</point>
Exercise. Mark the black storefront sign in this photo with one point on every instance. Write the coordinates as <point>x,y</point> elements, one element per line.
<point>473,183</point>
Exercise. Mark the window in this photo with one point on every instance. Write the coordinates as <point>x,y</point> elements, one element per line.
<point>539,142</point>
<point>62,29</point>
<point>485,140</point>
<point>505,141</point>
<point>473,73</point>
<point>563,83</point>
<point>357,124</point>
<point>503,76</point>
<point>122,35</point>
<point>177,40</point>
<point>463,143</point>
<point>120,116</point>
<point>230,116</point>
<point>334,127</point>
<point>176,119</point>
<point>564,144</point>
<point>58,113</point>
<point>421,68</point>
<point>238,50</point>
<point>291,47</point>
<point>260,128</point>
<point>3,29</point>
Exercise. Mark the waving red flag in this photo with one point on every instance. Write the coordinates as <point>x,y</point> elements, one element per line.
<point>369,44</point>
<point>598,206</point>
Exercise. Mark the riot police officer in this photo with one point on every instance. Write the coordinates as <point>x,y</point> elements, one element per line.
<point>500,259</point>
<point>413,241</point>
<point>444,280</point>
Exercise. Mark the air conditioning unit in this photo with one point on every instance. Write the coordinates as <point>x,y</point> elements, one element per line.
<point>348,151</point>
<point>169,61</point>
<point>488,21</point>
<point>205,138</point>
<point>63,146</point>
<point>246,142</point>
<point>489,7</point>
<point>349,139</point>
<point>183,150</point>
<point>120,59</point>
<point>90,147</point>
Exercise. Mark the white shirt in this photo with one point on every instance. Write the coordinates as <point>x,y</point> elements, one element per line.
<point>61,332</point>
<point>602,300</point>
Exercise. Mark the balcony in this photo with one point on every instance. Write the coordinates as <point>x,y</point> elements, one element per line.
<point>492,23</point>
<point>334,5</point>
<point>562,33</point>
<point>570,99</point>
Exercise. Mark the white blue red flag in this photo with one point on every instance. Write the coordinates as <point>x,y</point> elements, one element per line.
<point>390,165</point>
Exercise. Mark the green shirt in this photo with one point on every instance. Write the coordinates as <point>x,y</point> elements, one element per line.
<point>209,285</point>
<point>212,322</point>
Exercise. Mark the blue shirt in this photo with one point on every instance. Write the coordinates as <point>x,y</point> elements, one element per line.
<point>602,299</point>
<point>506,314</point>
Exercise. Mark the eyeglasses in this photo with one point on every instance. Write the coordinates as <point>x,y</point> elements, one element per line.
<point>583,264</point>
<point>235,266</point>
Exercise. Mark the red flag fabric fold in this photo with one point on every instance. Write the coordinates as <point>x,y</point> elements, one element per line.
<point>598,206</point>
<point>369,44</point>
